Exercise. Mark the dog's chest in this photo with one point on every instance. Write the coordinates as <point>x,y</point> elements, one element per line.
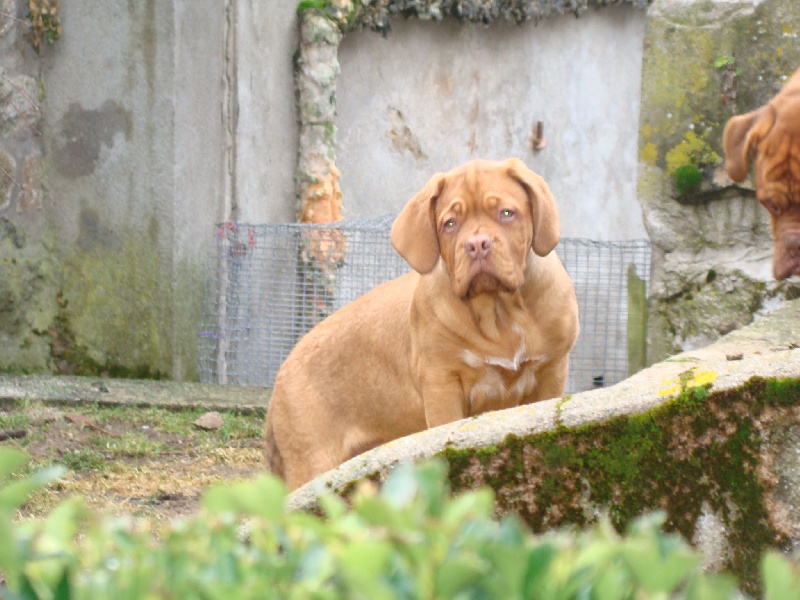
<point>495,382</point>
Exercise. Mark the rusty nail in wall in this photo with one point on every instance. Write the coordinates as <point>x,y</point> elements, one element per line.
<point>537,139</point>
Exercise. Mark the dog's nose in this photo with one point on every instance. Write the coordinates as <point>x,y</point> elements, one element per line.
<point>478,246</point>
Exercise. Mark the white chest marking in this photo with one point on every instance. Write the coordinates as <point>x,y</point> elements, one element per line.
<point>488,387</point>
<point>509,364</point>
<point>491,387</point>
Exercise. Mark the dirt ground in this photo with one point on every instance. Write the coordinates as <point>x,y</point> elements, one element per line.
<point>144,461</point>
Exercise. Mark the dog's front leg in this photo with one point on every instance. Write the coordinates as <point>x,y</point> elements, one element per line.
<point>443,400</point>
<point>551,381</point>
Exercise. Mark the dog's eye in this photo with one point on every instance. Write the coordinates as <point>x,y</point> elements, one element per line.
<point>450,224</point>
<point>507,213</point>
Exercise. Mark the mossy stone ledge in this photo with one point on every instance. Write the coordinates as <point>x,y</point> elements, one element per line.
<point>707,436</point>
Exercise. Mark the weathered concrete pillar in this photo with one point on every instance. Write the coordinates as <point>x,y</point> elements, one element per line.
<point>316,70</point>
<point>319,199</point>
<point>28,306</point>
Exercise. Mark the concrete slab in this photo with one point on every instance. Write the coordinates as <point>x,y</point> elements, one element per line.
<point>74,390</point>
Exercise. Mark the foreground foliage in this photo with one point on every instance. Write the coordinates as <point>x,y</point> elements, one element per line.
<point>409,539</point>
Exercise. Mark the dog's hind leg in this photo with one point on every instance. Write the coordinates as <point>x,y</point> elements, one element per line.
<point>551,381</point>
<point>301,470</point>
<point>273,455</point>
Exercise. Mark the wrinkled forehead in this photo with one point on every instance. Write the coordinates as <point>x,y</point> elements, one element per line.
<point>778,163</point>
<point>482,184</point>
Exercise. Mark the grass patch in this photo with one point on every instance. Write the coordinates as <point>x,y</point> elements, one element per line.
<point>130,444</point>
<point>9,420</point>
<point>148,461</point>
<point>83,459</point>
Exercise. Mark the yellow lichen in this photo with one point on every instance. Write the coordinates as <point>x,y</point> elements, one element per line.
<point>692,150</point>
<point>687,379</point>
<point>649,153</point>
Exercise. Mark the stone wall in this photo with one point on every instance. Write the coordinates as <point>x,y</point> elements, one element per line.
<point>27,292</point>
<point>712,248</point>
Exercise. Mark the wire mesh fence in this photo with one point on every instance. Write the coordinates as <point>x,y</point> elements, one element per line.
<point>272,282</point>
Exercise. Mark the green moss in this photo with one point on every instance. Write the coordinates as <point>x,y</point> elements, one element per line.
<point>115,310</point>
<point>349,14</point>
<point>305,5</point>
<point>71,358</point>
<point>27,289</point>
<point>687,179</point>
<point>699,449</point>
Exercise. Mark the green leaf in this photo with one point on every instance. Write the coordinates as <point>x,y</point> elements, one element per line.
<point>264,496</point>
<point>401,486</point>
<point>779,577</point>
<point>712,587</point>
<point>316,565</point>
<point>430,477</point>
<point>362,564</point>
<point>510,564</point>
<point>364,559</point>
<point>539,563</point>
<point>376,511</point>
<point>10,557</point>
<point>61,526</point>
<point>470,504</point>
<point>14,495</point>
<point>333,506</point>
<point>613,582</point>
<point>11,460</point>
<point>63,590</point>
<point>458,574</point>
<point>27,592</point>
<point>655,571</point>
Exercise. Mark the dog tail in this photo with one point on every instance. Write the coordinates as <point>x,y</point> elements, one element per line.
<point>272,452</point>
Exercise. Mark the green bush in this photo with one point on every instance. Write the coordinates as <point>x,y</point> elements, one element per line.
<point>409,539</point>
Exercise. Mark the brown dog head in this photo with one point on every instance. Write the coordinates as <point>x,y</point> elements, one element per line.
<point>770,137</point>
<point>482,219</point>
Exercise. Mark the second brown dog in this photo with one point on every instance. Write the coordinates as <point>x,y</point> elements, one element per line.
<point>770,137</point>
<point>485,322</point>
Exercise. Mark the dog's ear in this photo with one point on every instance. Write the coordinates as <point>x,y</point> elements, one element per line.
<point>741,137</point>
<point>414,230</point>
<point>546,227</point>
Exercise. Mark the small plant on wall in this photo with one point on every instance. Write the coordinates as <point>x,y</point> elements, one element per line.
<point>687,161</point>
<point>44,21</point>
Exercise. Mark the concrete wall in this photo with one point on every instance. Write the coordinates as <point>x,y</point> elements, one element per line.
<point>150,122</point>
<point>134,177</point>
<point>107,275</point>
<point>265,115</point>
<point>433,95</point>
